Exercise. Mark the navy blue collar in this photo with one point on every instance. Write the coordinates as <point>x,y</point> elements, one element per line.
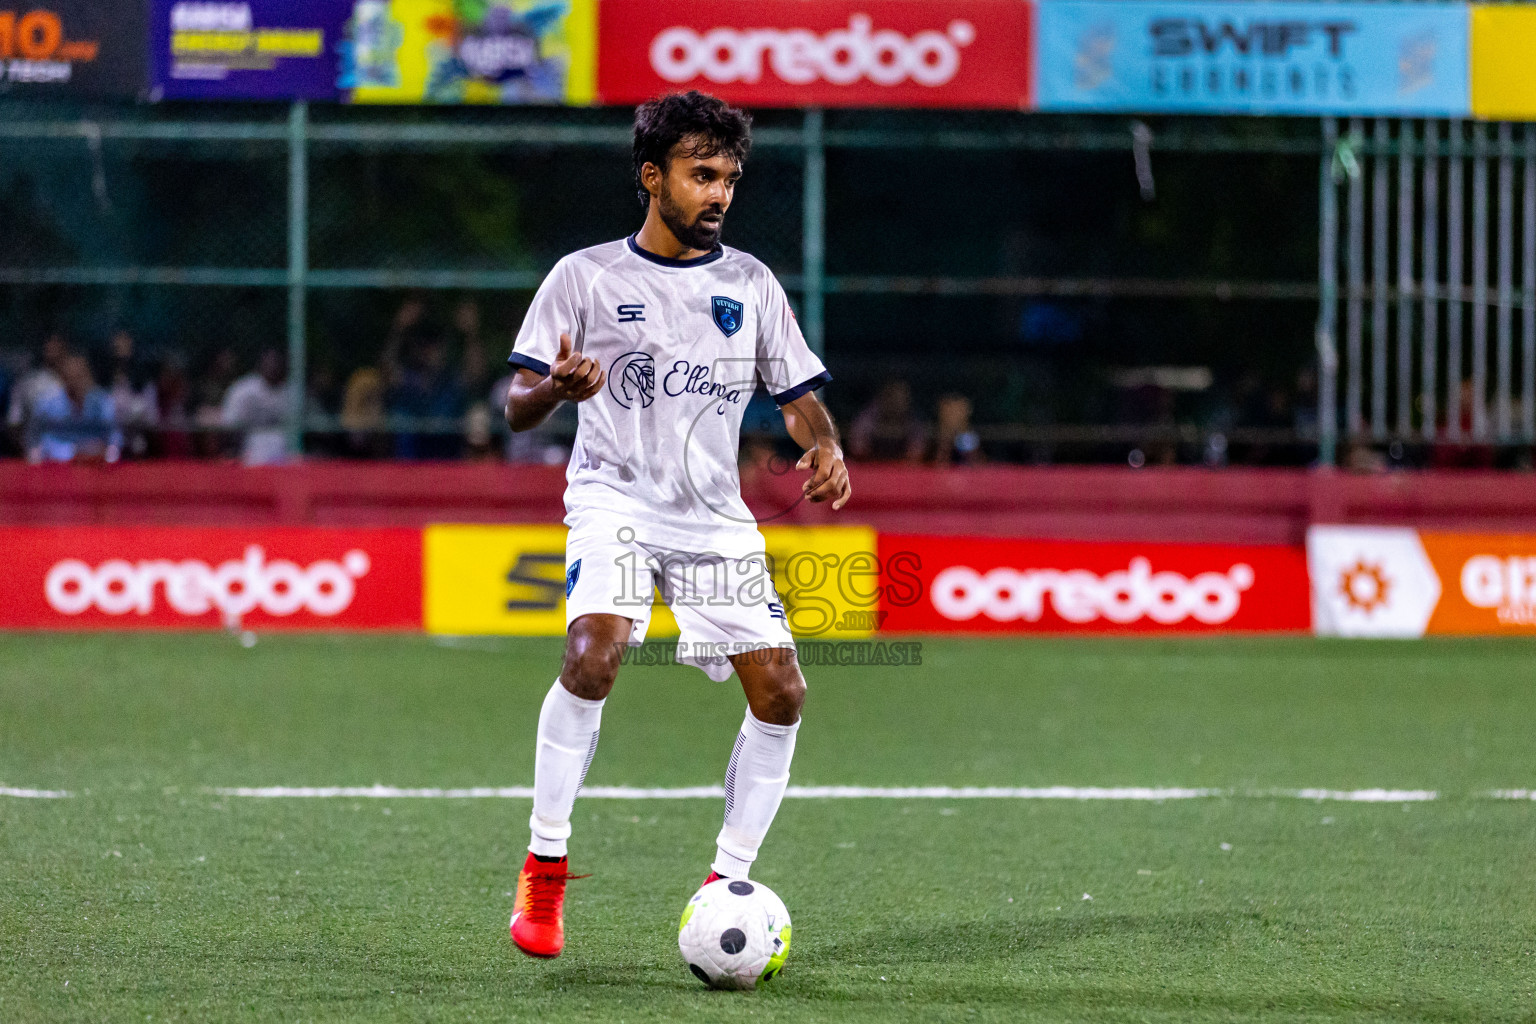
<point>663,261</point>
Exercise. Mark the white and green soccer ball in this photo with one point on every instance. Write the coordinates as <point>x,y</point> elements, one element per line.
<point>734,934</point>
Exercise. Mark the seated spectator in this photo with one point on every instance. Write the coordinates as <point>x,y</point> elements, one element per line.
<point>130,380</point>
<point>207,402</point>
<point>172,392</point>
<point>43,382</point>
<point>955,441</point>
<point>257,404</point>
<point>76,423</point>
<point>886,428</point>
<point>362,415</point>
<point>423,387</point>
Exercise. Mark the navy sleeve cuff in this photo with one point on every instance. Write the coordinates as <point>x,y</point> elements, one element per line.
<point>529,363</point>
<point>803,388</point>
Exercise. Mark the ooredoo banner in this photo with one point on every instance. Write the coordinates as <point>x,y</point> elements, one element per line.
<point>170,578</point>
<point>791,53</point>
<point>987,585</point>
<point>1261,58</point>
<point>1382,581</point>
<point>72,48</point>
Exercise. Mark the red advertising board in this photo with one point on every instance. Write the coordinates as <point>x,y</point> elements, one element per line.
<point>172,578</point>
<point>983,585</point>
<point>790,53</point>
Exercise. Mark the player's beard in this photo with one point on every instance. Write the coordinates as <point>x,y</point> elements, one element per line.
<point>697,235</point>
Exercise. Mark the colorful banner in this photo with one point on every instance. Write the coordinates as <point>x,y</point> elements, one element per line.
<point>72,48</point>
<point>510,580</point>
<point>1503,43</point>
<point>994,585</point>
<point>470,51</point>
<point>1401,582</point>
<point>253,49</point>
<point>237,578</point>
<point>1270,58</point>
<point>794,53</point>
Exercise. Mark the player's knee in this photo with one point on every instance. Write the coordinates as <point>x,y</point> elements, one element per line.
<point>781,701</point>
<point>591,665</point>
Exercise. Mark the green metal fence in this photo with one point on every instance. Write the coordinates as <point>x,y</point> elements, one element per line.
<point>295,176</point>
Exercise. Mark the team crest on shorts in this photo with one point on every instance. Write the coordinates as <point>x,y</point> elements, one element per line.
<point>728,314</point>
<point>571,576</point>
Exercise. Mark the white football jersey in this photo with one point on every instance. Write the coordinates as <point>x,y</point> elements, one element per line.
<point>685,344</point>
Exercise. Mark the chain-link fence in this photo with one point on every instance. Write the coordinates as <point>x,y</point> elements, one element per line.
<point>1043,288</point>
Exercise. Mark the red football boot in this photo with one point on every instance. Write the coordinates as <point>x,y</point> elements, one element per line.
<point>538,922</point>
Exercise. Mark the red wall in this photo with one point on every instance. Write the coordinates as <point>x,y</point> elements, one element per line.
<point>1096,503</point>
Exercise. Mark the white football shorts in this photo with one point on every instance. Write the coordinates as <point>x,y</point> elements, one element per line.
<point>721,592</point>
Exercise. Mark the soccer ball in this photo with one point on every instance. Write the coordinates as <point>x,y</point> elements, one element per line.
<point>734,934</point>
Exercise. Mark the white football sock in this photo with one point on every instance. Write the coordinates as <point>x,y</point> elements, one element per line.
<point>754,787</point>
<point>568,727</point>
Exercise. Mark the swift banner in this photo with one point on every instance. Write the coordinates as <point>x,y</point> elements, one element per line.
<point>994,585</point>
<point>255,49</point>
<point>172,578</point>
<point>1270,58</point>
<point>72,48</point>
<point>794,53</point>
<point>470,51</point>
<point>1402,582</point>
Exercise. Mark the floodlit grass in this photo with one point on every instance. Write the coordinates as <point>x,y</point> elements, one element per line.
<point>154,898</point>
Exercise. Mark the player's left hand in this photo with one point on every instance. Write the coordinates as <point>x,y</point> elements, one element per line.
<point>829,476</point>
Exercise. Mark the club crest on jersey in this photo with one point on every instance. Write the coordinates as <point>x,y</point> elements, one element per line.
<point>571,576</point>
<point>728,314</point>
<point>632,378</point>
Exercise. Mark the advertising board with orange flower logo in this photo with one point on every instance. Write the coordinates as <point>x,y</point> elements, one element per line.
<point>1402,582</point>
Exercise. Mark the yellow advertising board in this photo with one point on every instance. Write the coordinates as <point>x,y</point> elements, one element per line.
<point>470,51</point>
<point>510,581</point>
<point>1503,55</point>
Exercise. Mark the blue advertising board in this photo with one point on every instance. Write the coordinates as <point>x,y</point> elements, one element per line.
<point>1269,58</point>
<point>247,49</point>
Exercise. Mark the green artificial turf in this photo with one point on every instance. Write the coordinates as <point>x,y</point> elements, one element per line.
<point>155,899</point>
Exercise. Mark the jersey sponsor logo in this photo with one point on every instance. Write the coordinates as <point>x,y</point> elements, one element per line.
<point>632,378</point>
<point>632,312</point>
<point>727,313</point>
<point>686,378</point>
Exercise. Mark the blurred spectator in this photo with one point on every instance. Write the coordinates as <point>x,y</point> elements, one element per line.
<point>172,393</point>
<point>472,356</point>
<point>43,382</point>
<point>76,423</point>
<point>130,380</point>
<point>362,415</point>
<point>208,391</point>
<point>955,442</point>
<point>424,387</point>
<point>886,428</point>
<point>258,405</point>
<point>479,442</point>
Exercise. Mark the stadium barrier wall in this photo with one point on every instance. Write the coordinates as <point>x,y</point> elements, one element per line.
<point>1172,505</point>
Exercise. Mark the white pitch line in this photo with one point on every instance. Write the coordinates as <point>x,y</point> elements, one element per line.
<point>1121,793</point>
<point>1511,794</point>
<point>36,794</point>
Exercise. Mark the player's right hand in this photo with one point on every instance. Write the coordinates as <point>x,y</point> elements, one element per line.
<point>574,377</point>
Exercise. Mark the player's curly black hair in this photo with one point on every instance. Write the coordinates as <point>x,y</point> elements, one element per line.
<point>713,125</point>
